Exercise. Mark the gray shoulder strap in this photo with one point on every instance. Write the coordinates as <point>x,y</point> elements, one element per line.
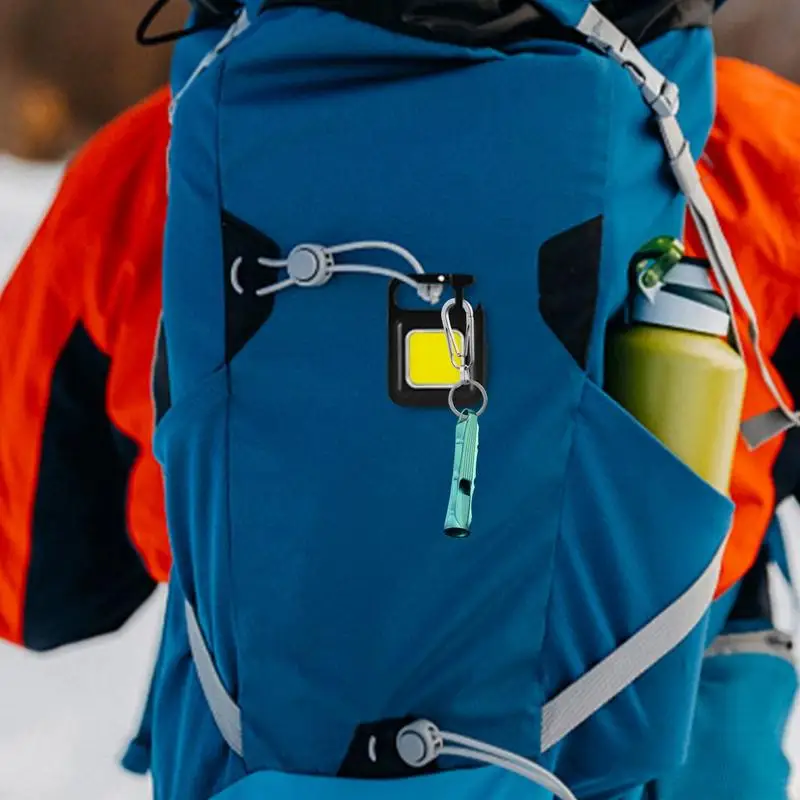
<point>766,426</point>
<point>662,96</point>
<point>225,712</point>
<point>616,672</point>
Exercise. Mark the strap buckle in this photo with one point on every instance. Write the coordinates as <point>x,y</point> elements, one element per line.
<point>660,94</point>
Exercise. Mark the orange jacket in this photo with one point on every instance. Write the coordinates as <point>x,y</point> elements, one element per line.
<point>751,171</point>
<point>78,481</point>
<point>82,533</point>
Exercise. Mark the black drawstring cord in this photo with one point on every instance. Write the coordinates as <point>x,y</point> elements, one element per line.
<point>208,16</point>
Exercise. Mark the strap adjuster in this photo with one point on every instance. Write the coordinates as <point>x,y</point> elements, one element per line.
<point>660,94</point>
<point>666,103</point>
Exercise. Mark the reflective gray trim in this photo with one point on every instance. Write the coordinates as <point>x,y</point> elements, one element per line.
<point>616,672</point>
<point>225,712</point>
<point>768,643</point>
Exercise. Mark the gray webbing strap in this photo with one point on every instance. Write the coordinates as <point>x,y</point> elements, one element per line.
<point>765,643</point>
<point>567,710</point>
<point>225,712</point>
<point>763,427</point>
<point>662,96</point>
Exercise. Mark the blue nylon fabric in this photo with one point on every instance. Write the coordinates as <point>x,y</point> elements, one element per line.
<point>189,758</point>
<point>465,784</point>
<point>189,51</point>
<point>196,427</point>
<point>742,712</point>
<point>306,510</point>
<point>719,613</point>
<point>384,564</point>
<point>139,753</point>
<point>621,540</point>
<point>193,354</point>
<point>777,548</point>
<point>138,756</point>
<point>743,708</point>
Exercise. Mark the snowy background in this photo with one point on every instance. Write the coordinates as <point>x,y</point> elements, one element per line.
<point>65,718</point>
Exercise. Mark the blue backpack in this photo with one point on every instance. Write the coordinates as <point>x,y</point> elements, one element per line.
<point>419,552</point>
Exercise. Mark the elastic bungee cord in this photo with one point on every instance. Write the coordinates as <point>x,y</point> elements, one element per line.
<point>421,742</point>
<point>311,265</point>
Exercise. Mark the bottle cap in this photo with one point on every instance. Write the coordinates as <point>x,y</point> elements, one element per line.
<point>687,301</point>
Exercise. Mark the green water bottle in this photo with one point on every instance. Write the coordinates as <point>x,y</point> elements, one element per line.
<point>671,365</point>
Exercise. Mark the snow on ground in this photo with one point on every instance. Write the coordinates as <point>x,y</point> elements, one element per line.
<point>66,717</point>
<point>25,192</point>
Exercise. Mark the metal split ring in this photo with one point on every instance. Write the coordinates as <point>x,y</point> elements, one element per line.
<point>474,384</point>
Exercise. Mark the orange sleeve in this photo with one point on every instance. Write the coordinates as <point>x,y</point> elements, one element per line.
<point>82,531</point>
<point>123,310</point>
<point>751,171</point>
<point>37,316</point>
<point>751,167</point>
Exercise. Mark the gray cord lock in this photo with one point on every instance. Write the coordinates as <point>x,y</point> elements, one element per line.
<point>419,743</point>
<point>310,265</point>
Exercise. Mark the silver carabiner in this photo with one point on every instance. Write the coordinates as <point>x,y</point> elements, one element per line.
<point>462,359</point>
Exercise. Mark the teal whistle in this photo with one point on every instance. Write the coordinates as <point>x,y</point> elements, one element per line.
<point>459,508</point>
